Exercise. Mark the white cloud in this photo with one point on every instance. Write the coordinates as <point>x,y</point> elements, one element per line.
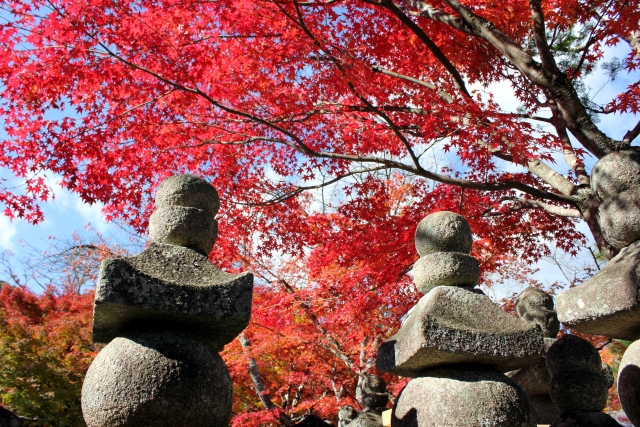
<point>7,231</point>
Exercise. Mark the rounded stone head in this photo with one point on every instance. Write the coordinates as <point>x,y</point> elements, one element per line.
<point>443,232</point>
<point>616,172</point>
<point>186,206</point>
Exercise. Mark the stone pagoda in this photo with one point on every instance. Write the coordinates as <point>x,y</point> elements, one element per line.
<point>456,343</point>
<point>165,314</point>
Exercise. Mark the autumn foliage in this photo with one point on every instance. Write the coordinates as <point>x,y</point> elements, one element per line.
<point>330,128</point>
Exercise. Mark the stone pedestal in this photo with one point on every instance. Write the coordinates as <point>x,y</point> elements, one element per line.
<point>165,314</point>
<point>456,342</point>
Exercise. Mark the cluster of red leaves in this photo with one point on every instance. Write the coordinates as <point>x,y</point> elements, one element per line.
<point>46,348</point>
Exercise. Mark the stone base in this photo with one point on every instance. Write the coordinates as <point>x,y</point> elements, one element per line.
<point>462,397</point>
<point>543,409</point>
<point>157,380</point>
<point>169,287</point>
<point>452,325</point>
<point>607,303</point>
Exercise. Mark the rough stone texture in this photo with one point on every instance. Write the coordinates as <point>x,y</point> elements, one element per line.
<point>9,419</point>
<point>616,172</point>
<point>579,391</point>
<point>607,375</point>
<point>543,409</point>
<point>585,419</point>
<point>346,414</point>
<point>533,299</point>
<point>367,418</point>
<point>157,380</point>
<point>578,380</point>
<point>619,218</point>
<point>536,306</point>
<point>452,325</point>
<point>534,379</point>
<point>445,269</point>
<point>188,191</point>
<point>572,353</point>
<point>607,303</point>
<point>462,398</point>
<point>629,382</point>
<point>189,227</point>
<point>172,288</point>
<point>443,232</point>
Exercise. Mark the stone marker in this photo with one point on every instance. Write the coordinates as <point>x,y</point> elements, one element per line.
<point>536,307</point>
<point>374,400</point>
<point>454,324</point>
<point>579,381</point>
<point>585,419</point>
<point>629,382</point>
<point>165,314</point>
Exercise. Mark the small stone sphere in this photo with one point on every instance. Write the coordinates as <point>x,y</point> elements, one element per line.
<point>445,269</point>
<point>629,382</point>
<point>189,191</point>
<point>619,218</point>
<point>443,232</point>
<point>572,353</point>
<point>462,397</point>
<point>157,379</point>
<point>531,299</point>
<point>188,227</point>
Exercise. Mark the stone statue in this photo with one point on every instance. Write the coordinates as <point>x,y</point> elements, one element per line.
<point>165,314</point>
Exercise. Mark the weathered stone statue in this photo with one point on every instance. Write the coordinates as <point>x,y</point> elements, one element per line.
<point>536,307</point>
<point>608,303</point>
<point>165,314</point>
<point>374,400</point>
<point>456,343</point>
<point>579,383</point>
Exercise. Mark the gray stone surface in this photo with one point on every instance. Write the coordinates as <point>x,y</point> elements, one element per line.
<point>534,379</point>
<point>533,299</point>
<point>173,288</point>
<point>629,382</point>
<point>462,398</point>
<point>445,269</point>
<point>543,409</point>
<point>572,353</point>
<point>578,380</point>
<point>606,303</point>
<point>188,191</point>
<point>346,414</point>
<point>367,418</point>
<point>443,232</point>
<point>616,172</point>
<point>157,380</point>
<point>619,218</point>
<point>189,227</point>
<point>585,419</point>
<point>578,391</point>
<point>536,306</point>
<point>451,325</point>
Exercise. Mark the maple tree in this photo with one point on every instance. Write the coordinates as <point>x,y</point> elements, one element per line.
<point>45,338</point>
<point>330,128</point>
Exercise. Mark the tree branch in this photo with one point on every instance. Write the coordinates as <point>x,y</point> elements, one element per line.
<point>435,50</point>
<point>540,37</point>
<point>632,134</point>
